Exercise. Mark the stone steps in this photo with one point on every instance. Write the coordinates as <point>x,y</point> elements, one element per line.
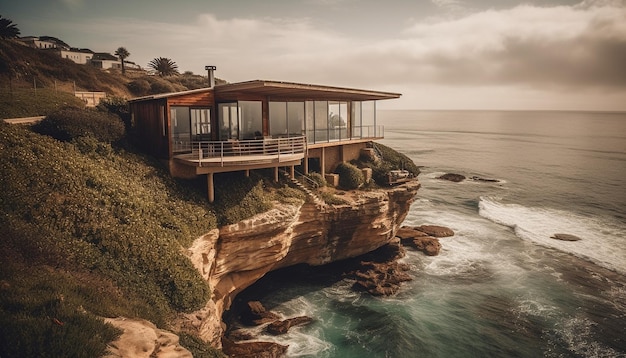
<point>314,197</point>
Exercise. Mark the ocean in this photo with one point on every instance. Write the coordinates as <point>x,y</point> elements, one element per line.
<point>501,287</point>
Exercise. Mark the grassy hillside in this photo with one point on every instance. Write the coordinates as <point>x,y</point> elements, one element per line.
<point>91,230</point>
<point>88,228</point>
<point>37,82</point>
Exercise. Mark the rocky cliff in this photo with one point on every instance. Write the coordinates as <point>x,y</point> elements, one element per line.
<point>234,257</point>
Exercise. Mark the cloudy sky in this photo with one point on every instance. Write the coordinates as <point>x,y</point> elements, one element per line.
<point>440,54</point>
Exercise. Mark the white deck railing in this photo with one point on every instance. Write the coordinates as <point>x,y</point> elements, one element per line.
<point>233,151</point>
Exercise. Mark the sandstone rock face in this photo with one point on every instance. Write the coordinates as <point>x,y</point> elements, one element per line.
<point>236,256</point>
<point>142,339</point>
<point>435,231</point>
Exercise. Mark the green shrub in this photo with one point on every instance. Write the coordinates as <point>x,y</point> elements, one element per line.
<point>117,106</point>
<point>332,199</point>
<point>242,198</point>
<point>318,179</point>
<point>71,123</point>
<point>350,177</point>
<point>198,347</point>
<point>139,87</point>
<point>390,160</point>
<point>288,195</point>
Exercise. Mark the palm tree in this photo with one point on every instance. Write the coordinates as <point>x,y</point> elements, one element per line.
<point>164,66</point>
<point>8,30</point>
<point>122,53</point>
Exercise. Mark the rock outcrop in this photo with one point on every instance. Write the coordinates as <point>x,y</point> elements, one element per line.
<point>452,177</point>
<point>234,257</point>
<point>142,339</point>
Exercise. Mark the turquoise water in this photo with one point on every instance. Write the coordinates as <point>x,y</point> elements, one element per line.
<point>500,287</point>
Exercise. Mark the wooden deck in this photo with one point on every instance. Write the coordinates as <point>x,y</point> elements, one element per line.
<point>222,156</point>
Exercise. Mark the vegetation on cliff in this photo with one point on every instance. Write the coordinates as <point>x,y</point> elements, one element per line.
<point>90,228</point>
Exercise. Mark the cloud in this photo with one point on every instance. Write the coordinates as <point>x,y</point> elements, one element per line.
<point>562,49</point>
<point>559,47</point>
<point>450,5</point>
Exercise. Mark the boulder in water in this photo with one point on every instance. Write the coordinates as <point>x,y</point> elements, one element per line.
<point>436,231</point>
<point>565,237</point>
<point>452,177</point>
<point>281,327</point>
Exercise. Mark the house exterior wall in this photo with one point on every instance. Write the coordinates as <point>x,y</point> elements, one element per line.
<point>151,124</point>
<point>81,58</point>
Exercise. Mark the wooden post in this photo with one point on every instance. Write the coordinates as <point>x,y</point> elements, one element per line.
<point>210,187</point>
<point>292,172</point>
<point>247,173</point>
<point>276,174</point>
<point>323,162</point>
<point>306,165</point>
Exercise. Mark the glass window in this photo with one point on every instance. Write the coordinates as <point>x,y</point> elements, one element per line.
<point>309,110</point>
<point>201,124</point>
<point>356,119</point>
<point>337,120</point>
<point>368,119</point>
<point>295,118</point>
<point>251,119</point>
<point>228,121</point>
<point>321,121</point>
<point>181,128</point>
<point>278,119</point>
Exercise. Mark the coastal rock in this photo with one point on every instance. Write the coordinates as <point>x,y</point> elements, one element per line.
<point>409,233</point>
<point>475,178</point>
<point>381,278</point>
<point>428,245</point>
<point>452,177</point>
<point>436,231</point>
<point>236,256</point>
<point>281,327</point>
<point>142,339</point>
<point>257,315</point>
<point>565,237</point>
<point>253,349</point>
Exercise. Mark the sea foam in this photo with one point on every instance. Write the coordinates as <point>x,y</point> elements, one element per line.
<point>600,237</point>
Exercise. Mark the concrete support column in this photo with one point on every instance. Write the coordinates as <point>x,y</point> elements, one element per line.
<point>210,187</point>
<point>306,165</point>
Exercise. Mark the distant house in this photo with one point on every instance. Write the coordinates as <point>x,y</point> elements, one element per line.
<point>79,56</point>
<point>105,61</point>
<point>257,124</point>
<point>44,42</point>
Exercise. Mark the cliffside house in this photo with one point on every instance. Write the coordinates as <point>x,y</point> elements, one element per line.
<point>256,124</point>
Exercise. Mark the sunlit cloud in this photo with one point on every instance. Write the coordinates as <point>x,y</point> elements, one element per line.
<point>563,49</point>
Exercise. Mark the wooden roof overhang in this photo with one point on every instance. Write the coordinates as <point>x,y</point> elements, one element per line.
<point>289,90</point>
<point>169,95</point>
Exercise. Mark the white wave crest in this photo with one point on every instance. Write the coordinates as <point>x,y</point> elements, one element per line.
<point>603,240</point>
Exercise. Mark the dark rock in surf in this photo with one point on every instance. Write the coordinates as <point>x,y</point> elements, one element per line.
<point>381,278</point>
<point>435,231</point>
<point>281,327</point>
<point>257,315</point>
<point>565,237</point>
<point>253,349</point>
<point>485,179</point>
<point>452,177</point>
<point>428,245</point>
